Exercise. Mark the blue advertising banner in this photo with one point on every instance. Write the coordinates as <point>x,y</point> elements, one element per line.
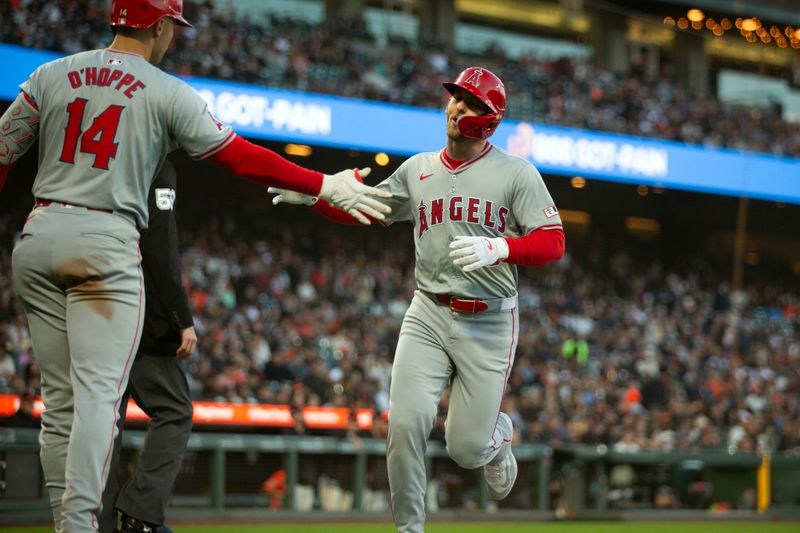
<point>292,116</point>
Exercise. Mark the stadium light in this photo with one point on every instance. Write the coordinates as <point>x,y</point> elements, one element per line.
<point>642,225</point>
<point>381,159</point>
<point>695,15</point>
<point>578,182</point>
<point>578,218</point>
<point>750,25</point>
<point>300,150</point>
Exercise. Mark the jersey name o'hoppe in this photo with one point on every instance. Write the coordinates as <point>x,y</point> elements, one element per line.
<point>105,77</point>
<point>462,209</point>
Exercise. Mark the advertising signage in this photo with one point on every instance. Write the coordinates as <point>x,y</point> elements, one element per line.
<point>293,116</point>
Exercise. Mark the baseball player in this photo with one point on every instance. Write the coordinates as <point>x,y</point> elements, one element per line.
<point>157,380</point>
<point>477,212</point>
<point>106,119</point>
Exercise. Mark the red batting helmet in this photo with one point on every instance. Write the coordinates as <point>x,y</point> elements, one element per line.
<point>144,13</point>
<point>487,88</point>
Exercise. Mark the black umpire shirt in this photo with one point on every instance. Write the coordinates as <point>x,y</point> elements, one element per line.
<point>167,308</point>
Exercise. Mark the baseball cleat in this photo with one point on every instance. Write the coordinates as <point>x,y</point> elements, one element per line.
<point>133,525</point>
<point>501,472</point>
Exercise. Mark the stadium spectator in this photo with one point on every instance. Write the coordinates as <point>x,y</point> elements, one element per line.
<point>722,391</point>
<point>617,349</point>
<point>340,57</point>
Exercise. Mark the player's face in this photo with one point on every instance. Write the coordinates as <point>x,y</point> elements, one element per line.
<point>163,40</point>
<point>462,103</point>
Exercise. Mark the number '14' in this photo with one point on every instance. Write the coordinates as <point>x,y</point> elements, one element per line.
<point>97,140</point>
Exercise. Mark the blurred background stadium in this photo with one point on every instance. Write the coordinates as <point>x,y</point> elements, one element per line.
<point>658,368</point>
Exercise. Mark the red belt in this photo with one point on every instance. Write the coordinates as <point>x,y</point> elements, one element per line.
<point>45,203</point>
<point>462,305</point>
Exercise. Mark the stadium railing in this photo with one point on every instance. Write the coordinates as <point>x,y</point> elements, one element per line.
<point>586,472</point>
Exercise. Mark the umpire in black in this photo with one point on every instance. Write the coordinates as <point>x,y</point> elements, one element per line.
<point>157,381</point>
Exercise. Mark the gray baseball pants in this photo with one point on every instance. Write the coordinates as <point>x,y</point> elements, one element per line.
<point>77,273</point>
<point>437,346</point>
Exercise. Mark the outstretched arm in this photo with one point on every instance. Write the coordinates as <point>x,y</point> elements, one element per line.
<point>265,167</point>
<point>343,190</point>
<point>202,136</point>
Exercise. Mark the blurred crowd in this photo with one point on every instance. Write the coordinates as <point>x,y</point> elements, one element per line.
<point>342,58</point>
<point>613,350</point>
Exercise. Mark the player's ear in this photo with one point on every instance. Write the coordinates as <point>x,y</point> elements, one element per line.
<point>158,27</point>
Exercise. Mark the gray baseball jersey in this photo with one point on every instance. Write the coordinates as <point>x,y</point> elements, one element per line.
<point>493,195</point>
<point>496,194</point>
<point>107,120</point>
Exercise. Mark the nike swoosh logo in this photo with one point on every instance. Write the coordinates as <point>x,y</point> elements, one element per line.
<point>489,245</point>
<point>425,176</point>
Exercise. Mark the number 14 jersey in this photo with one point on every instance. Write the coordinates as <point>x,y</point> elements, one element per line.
<point>107,119</point>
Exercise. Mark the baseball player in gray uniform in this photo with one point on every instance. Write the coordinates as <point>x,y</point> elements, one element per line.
<point>106,119</point>
<point>477,212</point>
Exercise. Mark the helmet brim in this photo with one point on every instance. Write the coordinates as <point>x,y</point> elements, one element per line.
<point>181,21</point>
<point>451,88</point>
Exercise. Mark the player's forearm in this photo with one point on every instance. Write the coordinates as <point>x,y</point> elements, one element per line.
<point>266,168</point>
<point>19,128</point>
<point>536,248</point>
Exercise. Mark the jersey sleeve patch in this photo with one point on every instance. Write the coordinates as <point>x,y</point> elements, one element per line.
<point>550,211</point>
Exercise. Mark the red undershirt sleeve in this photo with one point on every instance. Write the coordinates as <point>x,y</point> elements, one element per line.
<point>266,168</point>
<point>337,215</point>
<point>538,247</point>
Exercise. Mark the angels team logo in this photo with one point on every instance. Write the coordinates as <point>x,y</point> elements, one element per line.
<point>474,78</point>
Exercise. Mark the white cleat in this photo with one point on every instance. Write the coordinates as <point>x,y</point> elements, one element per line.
<point>501,472</point>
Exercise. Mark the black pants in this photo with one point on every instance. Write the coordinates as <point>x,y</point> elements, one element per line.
<point>158,385</point>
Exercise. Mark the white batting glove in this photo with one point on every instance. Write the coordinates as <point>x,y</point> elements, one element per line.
<point>344,191</point>
<point>472,253</point>
<point>285,196</point>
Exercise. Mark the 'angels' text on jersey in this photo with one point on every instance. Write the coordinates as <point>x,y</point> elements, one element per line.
<point>462,209</point>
